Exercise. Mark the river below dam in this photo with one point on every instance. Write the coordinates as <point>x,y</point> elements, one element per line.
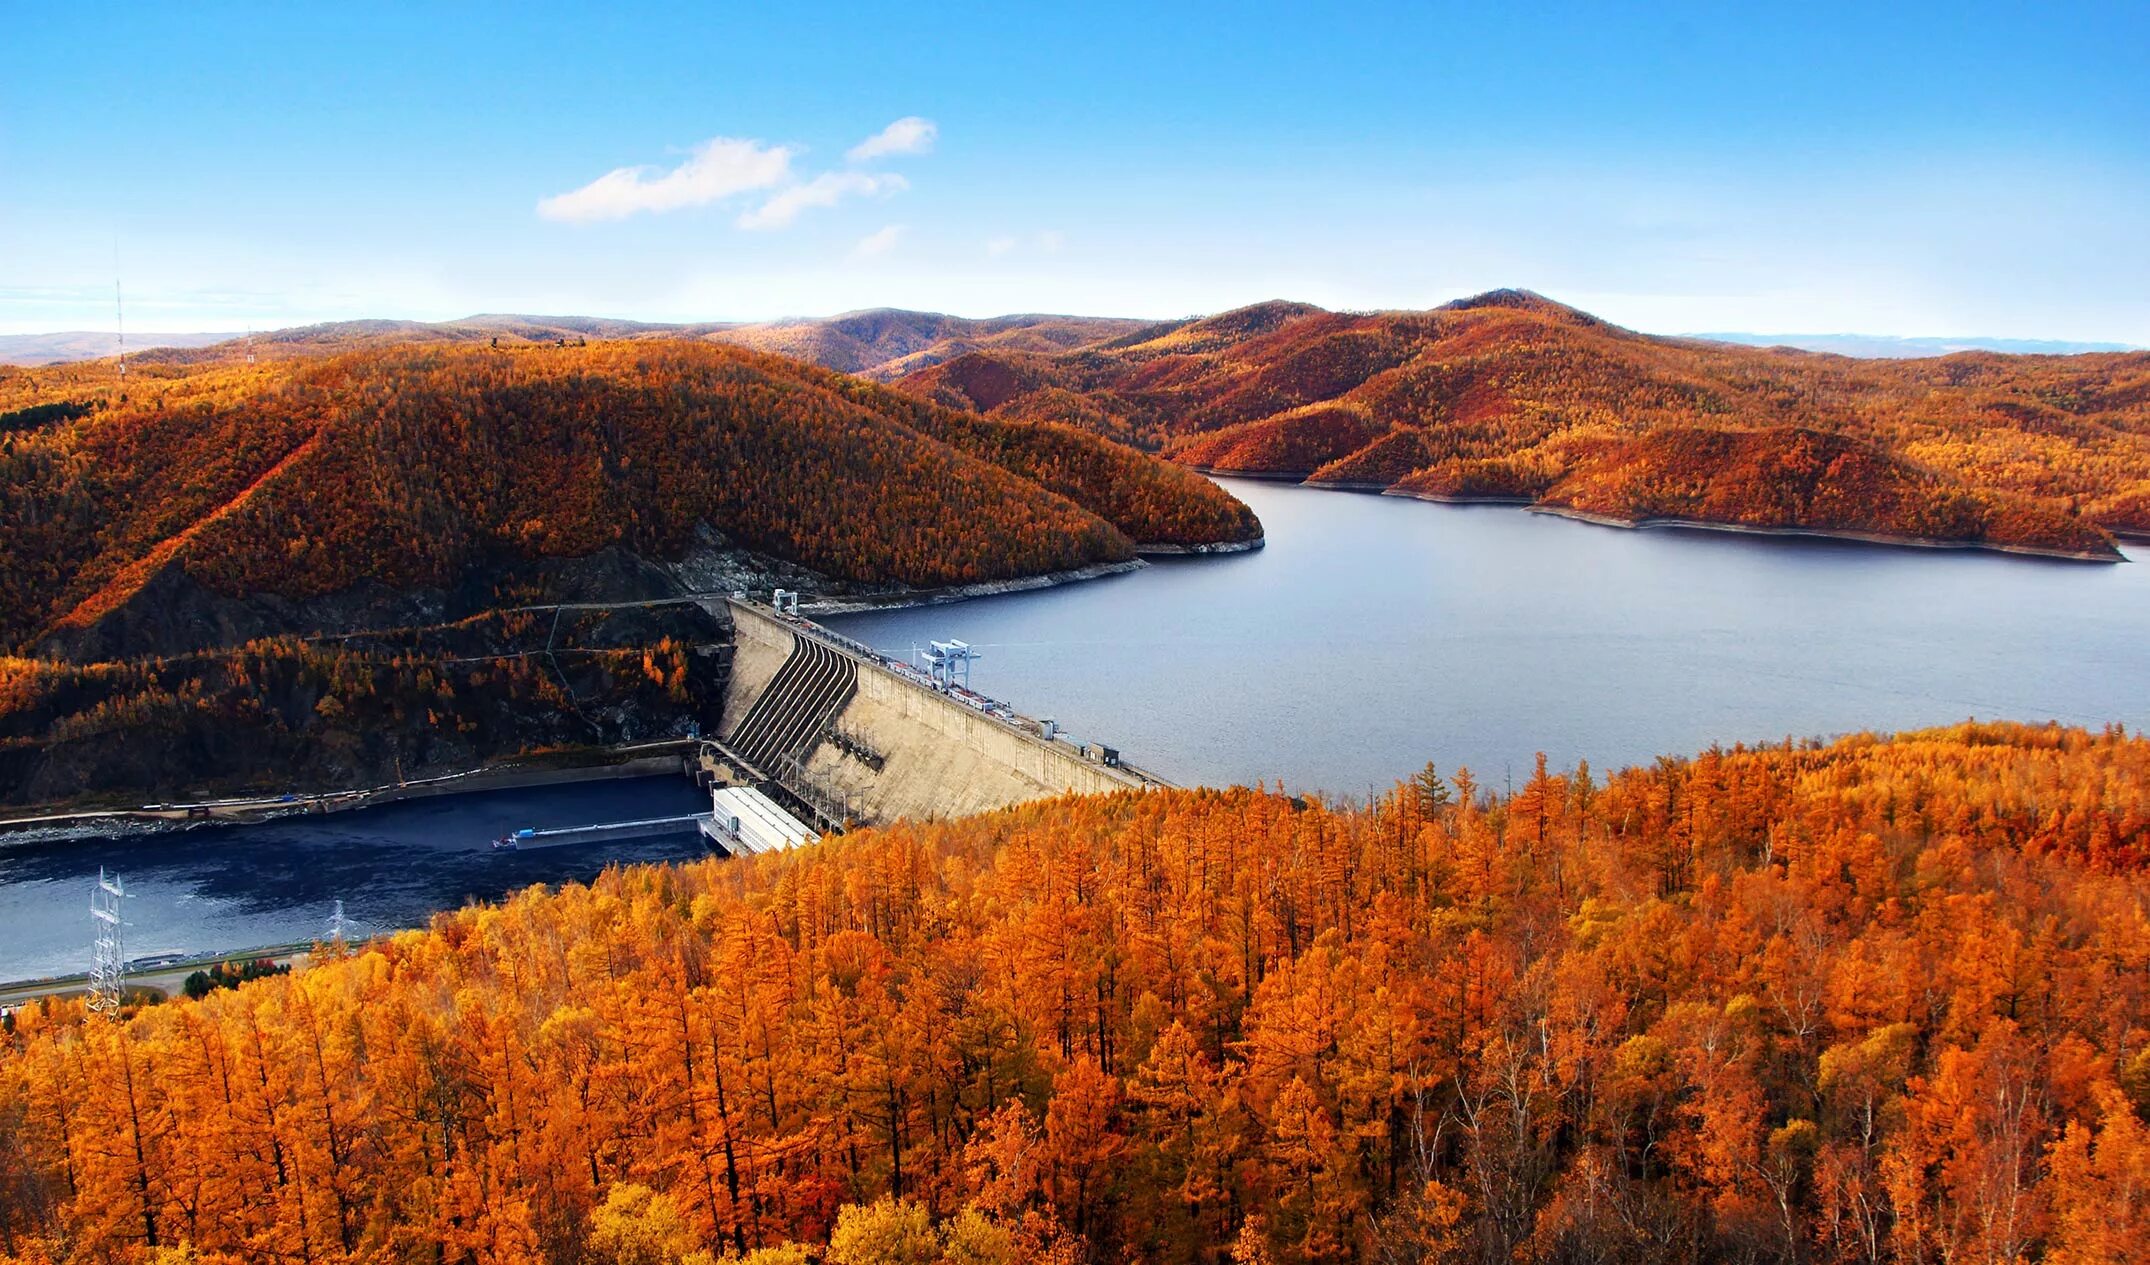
<point>215,888</point>
<point>1372,635</point>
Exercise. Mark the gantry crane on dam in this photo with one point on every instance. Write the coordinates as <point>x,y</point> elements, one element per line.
<point>944,661</point>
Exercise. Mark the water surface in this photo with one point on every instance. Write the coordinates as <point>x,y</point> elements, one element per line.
<point>215,888</point>
<point>1375,633</point>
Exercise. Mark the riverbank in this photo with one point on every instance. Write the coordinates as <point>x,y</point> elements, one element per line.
<point>1184,551</point>
<point>904,600</point>
<point>1375,486</point>
<point>220,892</point>
<point>1824,533</point>
<point>166,978</point>
<point>962,592</point>
<point>1439,498</point>
<point>1266,476</point>
<point>58,822</point>
<point>1607,520</point>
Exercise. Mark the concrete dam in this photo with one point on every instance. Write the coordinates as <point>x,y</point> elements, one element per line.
<point>858,736</point>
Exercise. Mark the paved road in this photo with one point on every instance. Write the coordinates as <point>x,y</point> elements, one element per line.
<point>166,979</point>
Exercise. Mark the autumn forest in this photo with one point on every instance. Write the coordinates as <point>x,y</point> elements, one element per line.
<point>411,467</point>
<point>1881,1000</point>
<point>1510,396</point>
<point>1074,634</point>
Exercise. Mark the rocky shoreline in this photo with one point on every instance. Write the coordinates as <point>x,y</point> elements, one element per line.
<point>1609,520</point>
<point>961,592</point>
<point>1266,476</point>
<point>1222,546</point>
<point>56,823</point>
<point>1824,533</point>
<point>1443,499</point>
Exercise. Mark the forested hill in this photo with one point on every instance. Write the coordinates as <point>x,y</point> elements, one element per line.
<point>885,343</point>
<point>879,343</point>
<point>438,468</point>
<point>315,572</point>
<point>1878,1001</point>
<point>1513,396</point>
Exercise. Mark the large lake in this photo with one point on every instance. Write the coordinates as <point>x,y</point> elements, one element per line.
<point>1375,633</point>
<point>1372,634</point>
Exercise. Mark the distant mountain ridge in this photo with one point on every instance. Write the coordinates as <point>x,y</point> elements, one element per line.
<point>878,343</point>
<point>1505,395</point>
<point>1892,347</point>
<point>63,346</point>
<point>887,343</point>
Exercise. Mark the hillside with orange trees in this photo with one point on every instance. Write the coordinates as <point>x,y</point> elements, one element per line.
<point>1302,439</point>
<point>426,468</point>
<point>356,711</point>
<point>885,343</point>
<point>1876,1001</point>
<point>1774,480</point>
<point>317,569</point>
<point>1509,395</point>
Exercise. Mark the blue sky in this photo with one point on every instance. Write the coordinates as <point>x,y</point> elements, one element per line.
<point>1975,169</point>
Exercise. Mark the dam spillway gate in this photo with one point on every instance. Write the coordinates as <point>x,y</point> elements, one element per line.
<point>806,694</point>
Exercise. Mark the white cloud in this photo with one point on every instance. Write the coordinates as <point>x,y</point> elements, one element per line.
<point>911,135</point>
<point>718,168</point>
<point>725,167</point>
<point>1045,242</point>
<point>826,189</point>
<point>878,242</point>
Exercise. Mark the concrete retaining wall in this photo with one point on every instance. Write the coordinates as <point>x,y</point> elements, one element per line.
<point>760,644</point>
<point>939,758</point>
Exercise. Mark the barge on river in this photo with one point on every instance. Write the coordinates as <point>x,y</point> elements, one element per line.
<point>742,821</point>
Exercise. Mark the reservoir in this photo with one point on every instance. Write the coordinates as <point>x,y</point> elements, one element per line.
<point>1373,634</point>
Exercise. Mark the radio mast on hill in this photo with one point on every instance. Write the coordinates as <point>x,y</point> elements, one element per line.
<point>119,317</point>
